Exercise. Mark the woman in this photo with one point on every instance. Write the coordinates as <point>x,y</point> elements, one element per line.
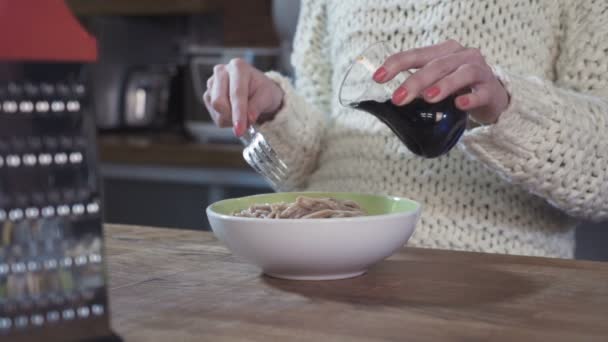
<point>535,164</point>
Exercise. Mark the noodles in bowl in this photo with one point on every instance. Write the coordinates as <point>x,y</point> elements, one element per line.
<point>314,235</point>
<point>304,208</point>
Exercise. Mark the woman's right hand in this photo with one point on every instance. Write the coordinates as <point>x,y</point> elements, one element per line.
<point>239,95</point>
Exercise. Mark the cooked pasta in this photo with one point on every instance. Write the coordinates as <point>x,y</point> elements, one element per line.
<point>304,208</point>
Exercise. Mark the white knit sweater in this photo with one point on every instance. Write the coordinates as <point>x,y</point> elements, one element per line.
<point>518,186</point>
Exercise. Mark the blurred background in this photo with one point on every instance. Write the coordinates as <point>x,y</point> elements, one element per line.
<point>162,159</point>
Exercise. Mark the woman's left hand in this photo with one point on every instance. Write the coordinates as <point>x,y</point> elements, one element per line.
<point>445,69</point>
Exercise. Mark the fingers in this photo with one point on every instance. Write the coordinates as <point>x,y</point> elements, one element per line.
<point>465,76</point>
<point>414,58</point>
<point>445,69</point>
<point>220,119</point>
<point>425,80</point>
<point>227,94</point>
<point>219,103</point>
<point>239,94</point>
<point>258,103</point>
<point>482,103</point>
<point>480,97</point>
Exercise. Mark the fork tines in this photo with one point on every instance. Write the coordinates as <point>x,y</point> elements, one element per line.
<point>262,157</point>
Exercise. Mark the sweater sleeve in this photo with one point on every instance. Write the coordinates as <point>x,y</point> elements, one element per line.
<point>553,137</point>
<point>297,129</point>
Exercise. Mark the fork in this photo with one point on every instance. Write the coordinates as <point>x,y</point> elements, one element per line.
<point>263,159</point>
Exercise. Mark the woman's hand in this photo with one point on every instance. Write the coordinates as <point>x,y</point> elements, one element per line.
<point>445,69</point>
<point>238,95</point>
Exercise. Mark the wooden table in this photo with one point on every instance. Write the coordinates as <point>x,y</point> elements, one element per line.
<point>177,285</point>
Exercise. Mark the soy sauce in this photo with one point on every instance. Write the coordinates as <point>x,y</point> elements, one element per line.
<point>427,129</point>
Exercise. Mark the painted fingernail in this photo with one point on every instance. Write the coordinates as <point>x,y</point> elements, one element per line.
<point>432,92</point>
<point>399,95</point>
<point>379,74</point>
<point>463,101</point>
<point>238,128</point>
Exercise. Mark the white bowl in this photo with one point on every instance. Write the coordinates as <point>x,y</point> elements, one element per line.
<point>316,249</point>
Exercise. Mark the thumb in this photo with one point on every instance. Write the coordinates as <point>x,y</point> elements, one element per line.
<point>260,102</point>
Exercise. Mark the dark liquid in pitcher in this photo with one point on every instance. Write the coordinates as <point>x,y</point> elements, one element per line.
<point>427,129</point>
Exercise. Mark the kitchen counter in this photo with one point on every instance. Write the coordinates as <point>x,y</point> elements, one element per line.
<point>171,158</point>
<point>165,180</point>
<point>180,285</point>
<point>168,150</point>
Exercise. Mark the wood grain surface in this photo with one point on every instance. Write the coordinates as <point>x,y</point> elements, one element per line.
<point>179,285</point>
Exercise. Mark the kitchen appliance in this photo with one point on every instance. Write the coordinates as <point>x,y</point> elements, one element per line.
<point>201,60</point>
<point>135,84</point>
<point>52,273</point>
<point>146,97</point>
<point>136,97</point>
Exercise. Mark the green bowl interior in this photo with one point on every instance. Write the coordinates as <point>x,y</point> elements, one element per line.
<point>373,204</point>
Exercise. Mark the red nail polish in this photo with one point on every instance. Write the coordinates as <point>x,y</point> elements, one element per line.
<point>238,128</point>
<point>379,74</point>
<point>399,95</point>
<point>432,92</point>
<point>463,101</point>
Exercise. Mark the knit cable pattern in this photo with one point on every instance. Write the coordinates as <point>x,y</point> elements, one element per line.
<point>518,186</point>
